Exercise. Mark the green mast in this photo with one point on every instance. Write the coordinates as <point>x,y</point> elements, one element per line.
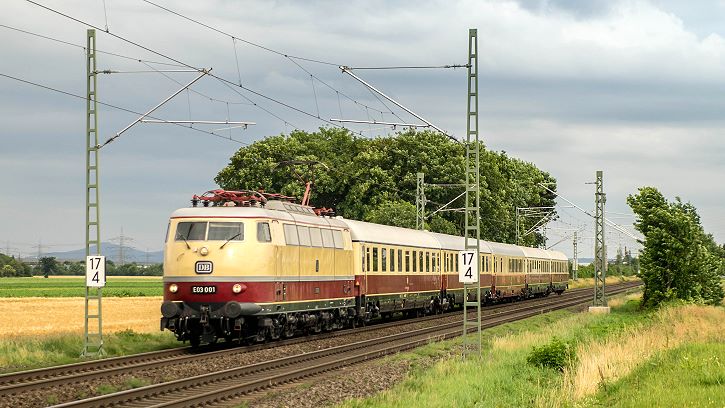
<point>92,339</point>
<point>473,196</point>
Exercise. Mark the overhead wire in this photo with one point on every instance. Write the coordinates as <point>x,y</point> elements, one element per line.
<point>238,38</point>
<point>290,57</point>
<point>217,77</point>
<point>60,91</point>
<point>84,48</point>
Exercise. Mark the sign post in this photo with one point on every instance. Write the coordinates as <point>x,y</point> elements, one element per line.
<point>95,281</point>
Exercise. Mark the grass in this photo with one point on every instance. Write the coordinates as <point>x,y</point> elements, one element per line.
<point>610,351</point>
<point>29,317</point>
<point>589,282</point>
<point>74,286</point>
<point>692,375</point>
<point>43,351</point>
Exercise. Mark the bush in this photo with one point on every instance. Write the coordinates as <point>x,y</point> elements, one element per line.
<point>557,355</point>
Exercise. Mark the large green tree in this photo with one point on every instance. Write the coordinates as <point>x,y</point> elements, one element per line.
<point>375,179</point>
<point>679,260</point>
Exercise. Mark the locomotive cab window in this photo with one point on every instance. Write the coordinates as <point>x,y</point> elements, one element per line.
<point>226,231</point>
<point>263,232</point>
<point>190,231</point>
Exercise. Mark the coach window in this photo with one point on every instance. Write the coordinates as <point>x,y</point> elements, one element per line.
<point>400,260</point>
<point>337,237</point>
<point>375,259</point>
<point>421,261</point>
<point>392,260</point>
<point>384,259</point>
<point>455,259</point>
<point>407,261</point>
<point>327,240</point>
<point>415,261</point>
<point>190,231</point>
<point>367,259</point>
<point>315,237</point>
<point>427,261</point>
<point>304,234</point>
<point>263,232</point>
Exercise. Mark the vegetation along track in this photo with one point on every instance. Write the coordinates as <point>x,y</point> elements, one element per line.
<point>214,387</point>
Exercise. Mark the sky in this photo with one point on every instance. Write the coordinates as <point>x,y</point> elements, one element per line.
<point>630,87</point>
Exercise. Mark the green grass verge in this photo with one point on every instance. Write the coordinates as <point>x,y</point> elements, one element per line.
<point>26,353</point>
<point>502,376</point>
<point>692,375</point>
<point>75,286</point>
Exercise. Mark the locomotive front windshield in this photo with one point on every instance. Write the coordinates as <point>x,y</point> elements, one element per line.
<point>209,231</point>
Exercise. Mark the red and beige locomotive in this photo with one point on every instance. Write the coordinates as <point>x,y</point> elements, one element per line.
<point>254,266</point>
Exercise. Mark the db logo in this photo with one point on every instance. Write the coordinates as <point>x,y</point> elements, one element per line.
<point>204,267</point>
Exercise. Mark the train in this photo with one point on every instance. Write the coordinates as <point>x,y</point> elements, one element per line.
<point>251,267</point>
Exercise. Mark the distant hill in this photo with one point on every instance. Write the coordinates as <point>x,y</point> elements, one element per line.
<point>111,252</point>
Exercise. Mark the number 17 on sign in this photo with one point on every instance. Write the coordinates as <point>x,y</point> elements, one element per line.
<point>467,267</point>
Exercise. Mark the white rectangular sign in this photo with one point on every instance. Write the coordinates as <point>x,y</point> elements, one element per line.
<point>96,271</point>
<point>467,267</point>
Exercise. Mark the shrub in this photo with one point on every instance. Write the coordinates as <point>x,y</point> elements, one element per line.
<point>557,355</point>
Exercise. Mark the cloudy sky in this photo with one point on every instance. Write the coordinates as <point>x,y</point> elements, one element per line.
<point>633,88</point>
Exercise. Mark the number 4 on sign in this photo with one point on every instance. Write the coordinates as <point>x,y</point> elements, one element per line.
<point>96,271</point>
<point>467,267</point>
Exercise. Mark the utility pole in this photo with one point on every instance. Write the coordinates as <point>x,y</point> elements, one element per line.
<point>575,264</point>
<point>600,248</point>
<point>93,333</point>
<point>420,202</point>
<point>120,248</point>
<point>122,240</point>
<point>472,217</point>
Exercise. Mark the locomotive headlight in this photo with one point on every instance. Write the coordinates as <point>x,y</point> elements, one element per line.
<point>173,288</point>
<point>237,288</point>
<point>204,251</point>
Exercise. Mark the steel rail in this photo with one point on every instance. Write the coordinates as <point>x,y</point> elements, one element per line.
<point>208,388</point>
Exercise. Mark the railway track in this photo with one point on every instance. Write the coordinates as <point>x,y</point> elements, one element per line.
<point>219,386</point>
<point>24,381</point>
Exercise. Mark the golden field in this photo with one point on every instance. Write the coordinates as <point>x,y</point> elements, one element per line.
<point>37,315</point>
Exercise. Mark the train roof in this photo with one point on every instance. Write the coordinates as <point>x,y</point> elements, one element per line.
<point>385,234</point>
<point>456,243</point>
<point>256,212</point>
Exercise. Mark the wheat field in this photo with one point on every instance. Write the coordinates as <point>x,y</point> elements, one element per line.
<point>30,316</point>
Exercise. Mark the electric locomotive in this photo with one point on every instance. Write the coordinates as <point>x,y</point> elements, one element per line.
<point>252,266</point>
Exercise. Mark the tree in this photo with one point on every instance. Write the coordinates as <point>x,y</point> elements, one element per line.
<point>7,271</point>
<point>678,260</point>
<point>48,266</point>
<point>367,179</point>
